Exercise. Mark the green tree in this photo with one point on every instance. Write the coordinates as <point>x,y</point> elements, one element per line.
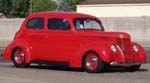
<point>20,8</point>
<point>14,8</point>
<point>43,5</point>
<point>73,3</point>
<point>5,6</point>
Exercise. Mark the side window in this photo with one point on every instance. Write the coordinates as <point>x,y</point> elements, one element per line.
<point>58,24</point>
<point>91,24</point>
<point>87,23</point>
<point>36,23</point>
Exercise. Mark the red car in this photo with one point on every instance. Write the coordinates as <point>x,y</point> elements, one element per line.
<point>72,39</point>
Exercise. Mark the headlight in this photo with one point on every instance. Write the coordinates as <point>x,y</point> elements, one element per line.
<point>114,48</point>
<point>136,48</point>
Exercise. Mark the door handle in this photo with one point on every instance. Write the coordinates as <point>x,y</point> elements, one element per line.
<point>45,37</point>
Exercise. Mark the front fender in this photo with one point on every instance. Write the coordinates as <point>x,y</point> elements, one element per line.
<point>102,49</point>
<point>26,47</point>
<point>141,55</point>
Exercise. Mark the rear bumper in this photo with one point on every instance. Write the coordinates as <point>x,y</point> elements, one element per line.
<point>126,63</point>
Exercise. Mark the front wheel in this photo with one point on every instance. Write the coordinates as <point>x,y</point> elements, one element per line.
<point>92,63</point>
<point>132,68</point>
<point>18,58</point>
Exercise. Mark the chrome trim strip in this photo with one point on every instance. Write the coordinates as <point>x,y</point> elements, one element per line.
<point>125,63</point>
<point>122,46</point>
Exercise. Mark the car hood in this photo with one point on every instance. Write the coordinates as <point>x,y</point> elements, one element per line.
<point>103,34</point>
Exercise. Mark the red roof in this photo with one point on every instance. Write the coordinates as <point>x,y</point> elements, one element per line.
<point>60,14</point>
<point>87,2</point>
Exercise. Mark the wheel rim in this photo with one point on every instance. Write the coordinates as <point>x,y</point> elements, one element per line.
<point>19,56</point>
<point>92,61</point>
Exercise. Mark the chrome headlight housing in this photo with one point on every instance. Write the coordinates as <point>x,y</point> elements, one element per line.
<point>136,48</point>
<point>114,48</point>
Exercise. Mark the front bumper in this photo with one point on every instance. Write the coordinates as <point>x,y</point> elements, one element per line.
<point>126,63</point>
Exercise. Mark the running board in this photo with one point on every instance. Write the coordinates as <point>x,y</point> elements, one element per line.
<point>52,63</point>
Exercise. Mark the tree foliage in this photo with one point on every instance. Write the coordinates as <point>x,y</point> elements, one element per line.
<point>73,3</point>
<point>5,6</point>
<point>14,8</point>
<point>43,5</point>
<point>21,8</point>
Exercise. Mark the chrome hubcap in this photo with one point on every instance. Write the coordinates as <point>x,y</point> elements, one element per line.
<point>92,61</point>
<point>19,56</point>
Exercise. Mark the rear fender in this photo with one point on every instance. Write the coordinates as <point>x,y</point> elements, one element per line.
<point>26,47</point>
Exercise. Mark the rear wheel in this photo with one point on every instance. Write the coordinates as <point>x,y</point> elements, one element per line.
<point>132,68</point>
<point>92,63</point>
<point>18,58</point>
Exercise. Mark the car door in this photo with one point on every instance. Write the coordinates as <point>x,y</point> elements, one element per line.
<point>61,41</point>
<point>35,33</point>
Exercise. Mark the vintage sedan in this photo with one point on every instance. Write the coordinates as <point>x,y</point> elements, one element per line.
<point>72,40</point>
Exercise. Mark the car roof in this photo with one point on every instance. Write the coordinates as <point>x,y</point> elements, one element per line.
<point>61,14</point>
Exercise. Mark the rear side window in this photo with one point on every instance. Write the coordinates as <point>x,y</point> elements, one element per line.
<point>58,24</point>
<point>36,23</point>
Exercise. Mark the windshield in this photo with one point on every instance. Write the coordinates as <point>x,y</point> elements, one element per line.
<point>86,24</point>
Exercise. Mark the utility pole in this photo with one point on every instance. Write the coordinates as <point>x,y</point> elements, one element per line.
<point>30,6</point>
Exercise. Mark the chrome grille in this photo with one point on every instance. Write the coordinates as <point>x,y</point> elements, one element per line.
<point>125,45</point>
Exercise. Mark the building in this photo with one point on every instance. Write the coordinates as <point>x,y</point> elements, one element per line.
<point>131,16</point>
<point>115,8</point>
